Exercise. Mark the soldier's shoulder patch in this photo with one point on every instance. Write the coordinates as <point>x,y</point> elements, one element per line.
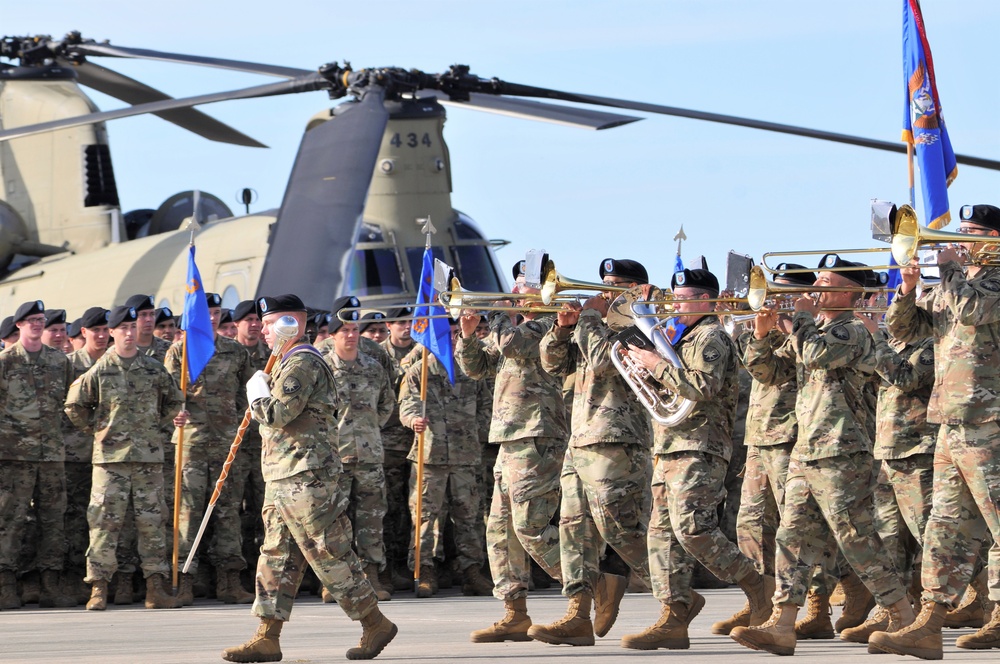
<point>991,285</point>
<point>291,385</point>
<point>840,332</point>
<point>534,326</point>
<point>927,357</point>
<point>710,354</point>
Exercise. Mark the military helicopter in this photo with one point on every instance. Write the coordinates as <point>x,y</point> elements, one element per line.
<point>365,170</point>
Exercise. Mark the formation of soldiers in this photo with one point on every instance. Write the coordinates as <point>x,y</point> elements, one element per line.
<point>871,466</point>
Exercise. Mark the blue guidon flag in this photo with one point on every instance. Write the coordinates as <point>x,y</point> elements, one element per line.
<point>923,124</point>
<point>433,333</point>
<point>196,323</point>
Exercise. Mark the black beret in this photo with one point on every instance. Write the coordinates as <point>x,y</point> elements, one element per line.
<point>860,276</point>
<point>624,268</point>
<point>227,316</point>
<point>399,312</point>
<point>141,302</point>
<point>73,329</point>
<point>803,278</point>
<point>279,304</point>
<point>518,269</point>
<point>29,309</point>
<point>244,309</point>
<point>876,279</point>
<point>319,318</point>
<point>214,300</point>
<point>95,317</point>
<point>987,216</point>
<point>346,302</point>
<point>55,317</point>
<point>123,314</point>
<point>695,279</point>
<point>368,319</point>
<point>163,314</point>
<point>7,327</point>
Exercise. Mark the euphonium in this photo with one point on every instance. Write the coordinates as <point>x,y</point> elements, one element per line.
<point>666,407</point>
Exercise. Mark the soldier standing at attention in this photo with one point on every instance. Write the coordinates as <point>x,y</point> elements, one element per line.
<point>366,402</point>
<point>54,335</point>
<point>148,344</point>
<point>372,327</point>
<point>962,314</point>
<point>689,471</point>
<point>605,475</point>
<point>305,514</point>
<point>529,427</point>
<point>8,332</point>
<point>216,402</point>
<point>165,325</point>
<point>828,490</point>
<point>33,383</point>
<point>123,400</point>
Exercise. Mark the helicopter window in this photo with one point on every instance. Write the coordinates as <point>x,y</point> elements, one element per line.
<point>374,272</point>
<point>475,268</point>
<point>230,297</point>
<point>464,231</point>
<point>415,257</point>
<point>99,177</point>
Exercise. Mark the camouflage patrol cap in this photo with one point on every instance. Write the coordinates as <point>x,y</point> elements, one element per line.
<point>73,329</point>
<point>801,278</point>
<point>244,309</point>
<point>163,314</point>
<point>624,268</point>
<point>214,300</point>
<point>55,317</point>
<point>95,317</point>
<point>987,216</point>
<point>279,304</point>
<point>32,308</point>
<point>346,302</point>
<point>141,302</point>
<point>122,314</point>
<point>7,327</point>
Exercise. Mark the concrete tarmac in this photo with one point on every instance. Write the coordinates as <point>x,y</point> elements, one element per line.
<point>430,630</point>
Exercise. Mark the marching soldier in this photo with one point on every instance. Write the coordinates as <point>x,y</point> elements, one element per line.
<point>123,399</point>
<point>828,487</point>
<point>529,426</point>
<point>961,314</point>
<point>689,472</point>
<point>605,474</point>
<point>305,514</point>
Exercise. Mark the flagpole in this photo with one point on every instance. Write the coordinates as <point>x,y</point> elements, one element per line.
<point>178,467</point>
<point>909,165</point>
<point>428,229</point>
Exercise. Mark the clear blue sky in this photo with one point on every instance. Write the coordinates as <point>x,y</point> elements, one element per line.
<point>581,195</point>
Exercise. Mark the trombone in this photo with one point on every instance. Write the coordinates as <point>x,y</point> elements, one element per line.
<point>348,311</point>
<point>910,237</point>
<point>458,300</point>
<point>761,290</point>
<point>553,283</point>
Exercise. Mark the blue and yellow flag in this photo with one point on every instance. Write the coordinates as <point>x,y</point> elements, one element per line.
<point>923,124</point>
<point>433,333</point>
<point>196,323</point>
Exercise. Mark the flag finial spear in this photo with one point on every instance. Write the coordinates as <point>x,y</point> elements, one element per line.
<point>680,237</point>
<point>427,228</point>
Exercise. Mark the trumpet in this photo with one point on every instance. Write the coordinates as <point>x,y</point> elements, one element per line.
<point>553,283</point>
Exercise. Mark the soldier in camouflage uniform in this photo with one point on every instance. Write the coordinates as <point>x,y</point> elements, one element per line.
<point>33,383</point>
<point>690,463</point>
<point>529,426</point>
<point>452,458</point>
<point>366,402</point>
<point>122,400</point>
<point>963,317</point>
<point>828,490</point>
<point>54,334</point>
<point>605,473</point>
<point>165,327</point>
<point>305,513</point>
<point>79,468</point>
<point>148,343</point>
<point>216,402</point>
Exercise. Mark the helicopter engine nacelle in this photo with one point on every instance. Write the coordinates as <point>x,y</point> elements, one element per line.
<point>12,233</point>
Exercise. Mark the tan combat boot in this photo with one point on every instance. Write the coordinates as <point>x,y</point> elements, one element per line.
<point>816,624</point>
<point>758,589</point>
<point>378,632</point>
<point>837,596</point>
<point>574,629</point>
<point>739,619</point>
<point>156,595</point>
<point>428,582</point>
<point>229,589</point>
<point>921,638</point>
<point>975,606</point>
<point>122,581</point>
<point>262,647</point>
<point>185,593</point>
<point>98,596</point>
<point>474,583</point>
<point>892,619</point>
<point>670,631</point>
<point>9,599</point>
<point>987,637</point>
<point>607,599</point>
<point>381,592</point>
<point>858,602</point>
<point>512,627</point>
<point>50,594</point>
<point>776,636</point>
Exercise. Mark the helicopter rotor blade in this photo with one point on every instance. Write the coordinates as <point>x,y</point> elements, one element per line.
<point>107,50</point>
<point>531,91</point>
<point>306,83</point>
<point>313,239</point>
<point>134,92</point>
<point>534,110</point>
